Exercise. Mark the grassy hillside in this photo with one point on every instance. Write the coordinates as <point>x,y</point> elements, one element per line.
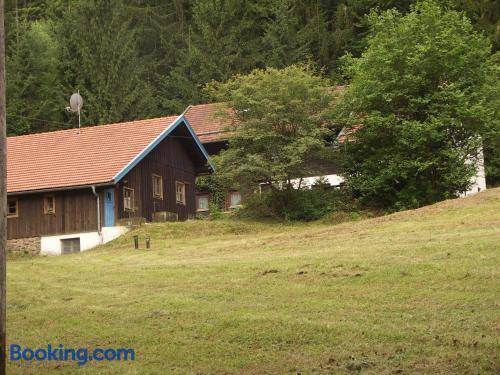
<point>410,293</point>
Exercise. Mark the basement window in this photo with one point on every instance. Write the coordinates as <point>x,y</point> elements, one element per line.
<point>157,187</point>
<point>128,199</point>
<point>70,245</point>
<point>49,205</point>
<point>12,207</point>
<point>180,192</point>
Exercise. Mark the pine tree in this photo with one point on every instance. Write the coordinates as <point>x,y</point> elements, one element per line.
<point>35,99</point>
<point>101,59</point>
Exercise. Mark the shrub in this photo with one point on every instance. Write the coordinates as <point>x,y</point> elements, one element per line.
<point>295,205</point>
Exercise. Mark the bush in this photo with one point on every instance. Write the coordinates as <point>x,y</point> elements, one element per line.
<point>295,205</point>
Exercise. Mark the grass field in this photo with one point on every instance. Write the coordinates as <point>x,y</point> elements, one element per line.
<point>416,292</point>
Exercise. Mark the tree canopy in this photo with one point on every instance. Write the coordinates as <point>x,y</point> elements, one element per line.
<point>417,101</point>
<point>278,118</point>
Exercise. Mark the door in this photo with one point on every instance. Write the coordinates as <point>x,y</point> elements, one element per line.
<point>109,207</point>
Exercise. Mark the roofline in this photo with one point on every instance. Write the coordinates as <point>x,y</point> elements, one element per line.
<point>60,188</point>
<point>165,133</point>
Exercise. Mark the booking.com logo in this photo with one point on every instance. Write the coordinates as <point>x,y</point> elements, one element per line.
<point>60,353</point>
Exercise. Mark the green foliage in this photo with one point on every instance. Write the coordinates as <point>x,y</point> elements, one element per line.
<point>279,117</point>
<point>295,204</point>
<point>35,98</point>
<point>485,16</point>
<point>421,106</point>
<point>138,58</point>
<point>491,131</point>
<point>284,44</point>
<point>104,64</point>
<point>216,186</point>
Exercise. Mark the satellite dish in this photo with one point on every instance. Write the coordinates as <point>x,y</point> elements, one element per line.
<point>75,105</point>
<point>76,102</point>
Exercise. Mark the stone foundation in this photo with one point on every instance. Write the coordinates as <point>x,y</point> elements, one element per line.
<point>28,246</point>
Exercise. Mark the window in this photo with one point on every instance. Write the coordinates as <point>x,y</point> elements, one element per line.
<point>180,192</point>
<point>202,203</point>
<point>157,187</point>
<point>128,199</point>
<point>70,245</point>
<point>12,208</point>
<point>234,199</point>
<point>49,205</point>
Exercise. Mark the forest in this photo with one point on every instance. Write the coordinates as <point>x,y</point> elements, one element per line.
<point>143,58</point>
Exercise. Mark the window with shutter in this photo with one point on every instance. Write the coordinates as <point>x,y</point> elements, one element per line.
<point>128,199</point>
<point>180,192</point>
<point>157,187</point>
<point>12,207</point>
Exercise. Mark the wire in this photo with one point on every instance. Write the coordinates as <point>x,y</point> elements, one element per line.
<point>39,119</point>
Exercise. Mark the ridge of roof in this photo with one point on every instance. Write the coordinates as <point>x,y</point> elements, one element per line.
<point>203,119</point>
<point>88,127</point>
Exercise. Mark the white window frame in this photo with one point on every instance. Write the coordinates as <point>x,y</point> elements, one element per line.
<point>157,179</point>
<point>231,205</point>
<point>128,202</point>
<point>204,196</point>
<point>180,196</point>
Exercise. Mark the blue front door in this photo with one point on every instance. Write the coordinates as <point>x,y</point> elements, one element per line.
<point>109,207</point>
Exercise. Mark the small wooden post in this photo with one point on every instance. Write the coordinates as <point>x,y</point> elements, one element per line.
<point>148,243</point>
<point>136,242</point>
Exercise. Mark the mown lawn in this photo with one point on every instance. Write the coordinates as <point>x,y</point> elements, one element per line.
<point>412,293</point>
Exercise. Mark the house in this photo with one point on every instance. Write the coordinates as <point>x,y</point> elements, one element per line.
<point>212,129</point>
<point>71,190</point>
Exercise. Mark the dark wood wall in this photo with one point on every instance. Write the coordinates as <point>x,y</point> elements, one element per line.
<point>172,160</point>
<point>76,211</point>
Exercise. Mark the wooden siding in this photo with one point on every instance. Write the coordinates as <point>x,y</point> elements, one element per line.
<point>172,159</point>
<point>75,213</point>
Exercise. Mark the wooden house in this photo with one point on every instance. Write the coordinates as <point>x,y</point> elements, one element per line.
<point>73,189</point>
<point>214,132</point>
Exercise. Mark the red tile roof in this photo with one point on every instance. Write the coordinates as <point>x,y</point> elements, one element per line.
<point>207,123</point>
<point>68,158</point>
<point>347,134</point>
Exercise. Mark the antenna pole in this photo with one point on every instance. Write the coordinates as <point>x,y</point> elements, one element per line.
<point>79,122</point>
<point>3,199</point>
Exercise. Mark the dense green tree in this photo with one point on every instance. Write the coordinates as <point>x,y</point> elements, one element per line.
<point>223,38</point>
<point>278,118</point>
<point>161,40</point>
<point>282,41</point>
<point>420,105</point>
<point>491,131</point>
<point>485,16</point>
<point>35,98</point>
<point>104,64</point>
